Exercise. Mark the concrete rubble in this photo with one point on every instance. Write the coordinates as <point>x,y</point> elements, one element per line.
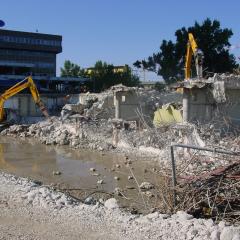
<point>92,125</point>
<point>25,198</point>
<point>102,105</point>
<point>100,134</point>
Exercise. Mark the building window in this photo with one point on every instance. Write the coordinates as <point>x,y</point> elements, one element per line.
<point>28,40</point>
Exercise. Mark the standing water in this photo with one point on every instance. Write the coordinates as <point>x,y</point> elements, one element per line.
<point>80,171</point>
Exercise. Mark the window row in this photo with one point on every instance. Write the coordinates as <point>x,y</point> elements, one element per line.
<point>9,52</point>
<point>29,40</point>
<point>35,64</point>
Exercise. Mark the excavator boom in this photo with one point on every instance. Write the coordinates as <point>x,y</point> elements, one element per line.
<point>25,83</point>
<point>192,50</point>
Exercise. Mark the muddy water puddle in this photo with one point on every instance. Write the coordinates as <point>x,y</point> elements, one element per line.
<point>29,158</point>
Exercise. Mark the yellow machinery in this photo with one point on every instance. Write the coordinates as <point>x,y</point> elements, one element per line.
<point>192,50</point>
<point>25,83</point>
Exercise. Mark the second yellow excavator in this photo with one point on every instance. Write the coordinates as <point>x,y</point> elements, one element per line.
<point>193,50</point>
<point>20,86</point>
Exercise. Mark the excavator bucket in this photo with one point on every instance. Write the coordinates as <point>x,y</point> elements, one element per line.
<point>43,109</point>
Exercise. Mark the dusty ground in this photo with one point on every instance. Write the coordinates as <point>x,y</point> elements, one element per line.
<point>30,211</point>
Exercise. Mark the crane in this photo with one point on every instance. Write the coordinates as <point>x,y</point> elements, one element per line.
<point>20,86</point>
<point>192,50</point>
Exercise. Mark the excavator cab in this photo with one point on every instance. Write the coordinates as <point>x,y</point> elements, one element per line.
<point>25,83</point>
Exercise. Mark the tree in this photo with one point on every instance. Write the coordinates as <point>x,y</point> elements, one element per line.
<point>105,76</point>
<point>71,70</point>
<point>102,75</point>
<point>211,39</point>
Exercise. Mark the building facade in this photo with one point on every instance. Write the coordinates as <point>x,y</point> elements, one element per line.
<point>27,53</point>
<point>24,53</point>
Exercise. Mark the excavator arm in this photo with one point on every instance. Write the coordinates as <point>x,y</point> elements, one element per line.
<point>192,50</point>
<point>25,83</point>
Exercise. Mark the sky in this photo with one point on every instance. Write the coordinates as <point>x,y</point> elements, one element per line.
<point>118,32</point>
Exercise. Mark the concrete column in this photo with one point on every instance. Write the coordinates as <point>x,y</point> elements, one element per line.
<point>115,136</point>
<point>117,105</point>
<point>186,96</point>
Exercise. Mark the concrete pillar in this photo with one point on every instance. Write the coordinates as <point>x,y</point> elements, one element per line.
<point>117,105</point>
<point>115,136</point>
<point>186,96</point>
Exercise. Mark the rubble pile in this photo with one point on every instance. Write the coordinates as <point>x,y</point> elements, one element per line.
<point>98,134</point>
<point>101,105</point>
<point>208,183</point>
<point>81,132</point>
<point>29,200</point>
<point>86,134</point>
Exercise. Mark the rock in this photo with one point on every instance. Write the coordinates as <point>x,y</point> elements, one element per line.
<point>134,211</point>
<point>100,181</point>
<point>215,235</point>
<point>96,174</point>
<point>221,224</point>
<point>130,177</point>
<point>75,142</point>
<point>111,203</point>
<point>230,233</point>
<point>154,169</point>
<point>146,186</point>
<point>39,183</point>
<point>117,166</point>
<point>90,200</point>
<point>164,216</point>
<point>118,191</point>
<point>116,178</point>
<point>92,169</point>
<point>130,187</point>
<point>236,237</point>
<point>56,173</point>
<point>209,223</point>
<point>148,194</point>
<point>153,215</point>
<point>183,216</point>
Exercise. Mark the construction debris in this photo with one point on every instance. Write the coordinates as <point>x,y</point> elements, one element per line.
<point>209,185</point>
<point>146,186</point>
<point>215,194</point>
<point>168,114</point>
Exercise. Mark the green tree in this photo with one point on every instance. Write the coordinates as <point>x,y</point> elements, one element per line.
<point>211,39</point>
<point>71,70</point>
<point>104,76</point>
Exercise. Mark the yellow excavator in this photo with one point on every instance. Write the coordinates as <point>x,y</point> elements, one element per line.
<point>193,50</point>
<point>20,86</point>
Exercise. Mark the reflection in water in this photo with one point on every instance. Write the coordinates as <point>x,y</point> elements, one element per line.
<point>3,163</point>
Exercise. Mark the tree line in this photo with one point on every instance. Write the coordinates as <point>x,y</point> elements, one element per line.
<point>168,61</point>
<point>102,75</point>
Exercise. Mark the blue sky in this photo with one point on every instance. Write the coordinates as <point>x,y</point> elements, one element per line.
<point>119,32</point>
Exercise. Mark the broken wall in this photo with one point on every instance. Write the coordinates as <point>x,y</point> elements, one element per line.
<point>217,101</point>
<point>25,106</point>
